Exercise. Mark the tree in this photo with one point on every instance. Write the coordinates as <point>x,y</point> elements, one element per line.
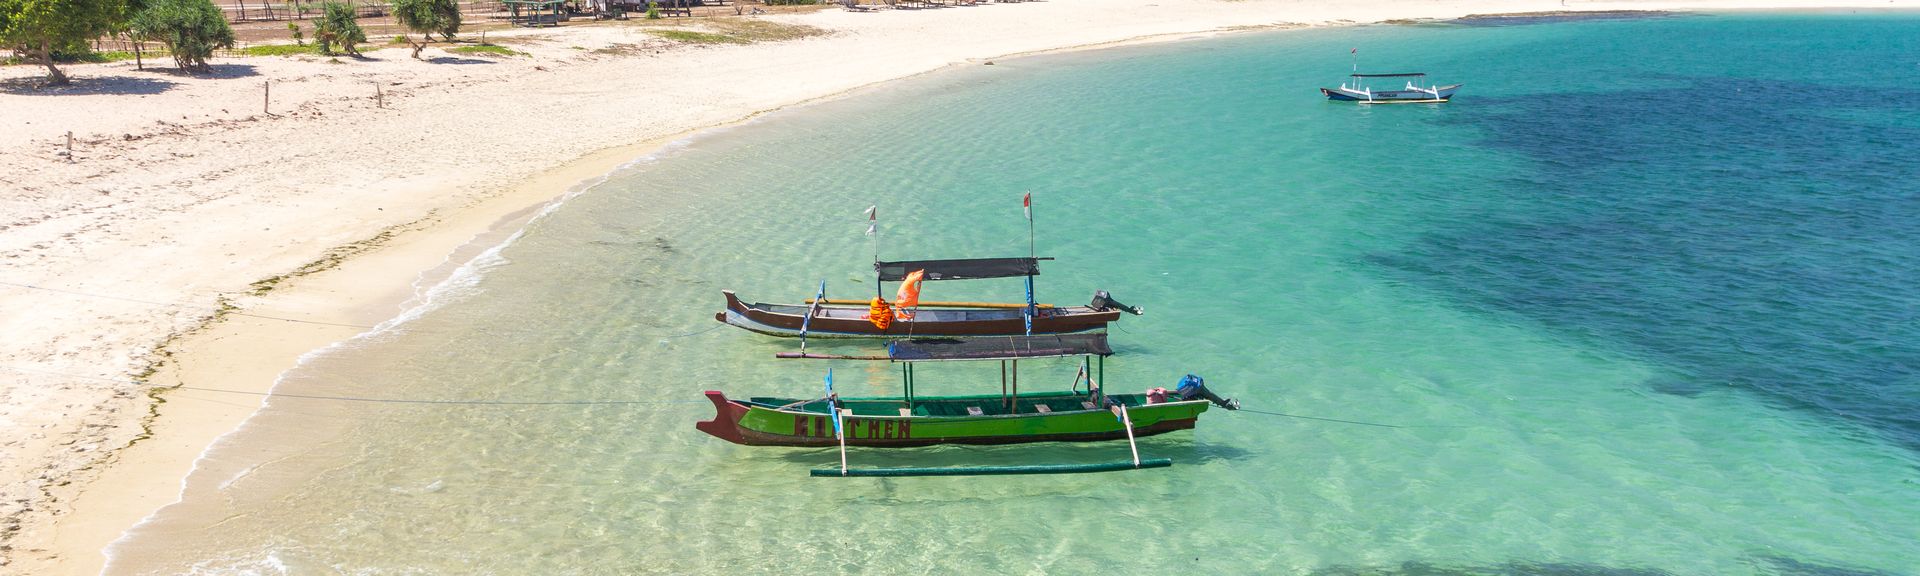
<point>338,25</point>
<point>427,17</point>
<point>124,27</point>
<point>40,28</point>
<point>191,29</point>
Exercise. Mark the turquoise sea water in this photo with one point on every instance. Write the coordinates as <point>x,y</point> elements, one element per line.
<point>1642,301</point>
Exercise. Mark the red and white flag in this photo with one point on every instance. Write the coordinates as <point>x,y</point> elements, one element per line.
<point>1355,51</point>
<point>872,219</point>
<point>1026,202</point>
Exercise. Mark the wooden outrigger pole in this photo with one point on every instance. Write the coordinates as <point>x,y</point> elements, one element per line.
<point>812,310</point>
<point>1017,348</point>
<point>995,305</point>
<point>998,470</point>
<point>1120,412</point>
<point>839,431</point>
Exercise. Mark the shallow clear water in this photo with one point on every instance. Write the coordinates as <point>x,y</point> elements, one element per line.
<point>1641,300</point>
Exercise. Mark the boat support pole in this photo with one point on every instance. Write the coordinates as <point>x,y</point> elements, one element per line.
<point>843,442</point>
<point>1027,313</point>
<point>1103,377</point>
<point>1125,421</point>
<point>833,405</point>
<point>811,310</point>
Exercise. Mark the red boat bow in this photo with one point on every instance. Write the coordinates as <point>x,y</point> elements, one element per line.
<point>726,420</point>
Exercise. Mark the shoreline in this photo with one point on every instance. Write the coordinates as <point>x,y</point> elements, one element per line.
<point>365,282</point>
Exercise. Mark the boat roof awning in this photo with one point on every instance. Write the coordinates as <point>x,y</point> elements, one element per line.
<point>960,268</point>
<point>981,348</point>
<point>1399,75</point>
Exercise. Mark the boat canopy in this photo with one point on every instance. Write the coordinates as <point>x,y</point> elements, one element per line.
<point>1400,75</point>
<point>981,348</point>
<point>960,269</point>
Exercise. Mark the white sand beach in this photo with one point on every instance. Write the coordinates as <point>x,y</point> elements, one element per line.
<point>202,233</point>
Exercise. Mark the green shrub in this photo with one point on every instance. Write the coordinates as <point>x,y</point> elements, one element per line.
<point>298,38</point>
<point>427,17</point>
<point>338,25</point>
<point>653,10</point>
<point>191,29</point>
<point>38,28</point>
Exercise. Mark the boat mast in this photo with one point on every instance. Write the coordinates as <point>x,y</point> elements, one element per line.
<point>1027,315</point>
<point>873,231</point>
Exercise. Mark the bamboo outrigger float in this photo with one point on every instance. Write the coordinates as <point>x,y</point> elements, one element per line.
<point>909,420</point>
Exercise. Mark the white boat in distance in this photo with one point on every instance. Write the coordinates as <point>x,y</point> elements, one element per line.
<point>1357,90</point>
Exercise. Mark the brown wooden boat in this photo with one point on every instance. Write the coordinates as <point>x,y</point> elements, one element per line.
<point>823,318</point>
<point>840,321</point>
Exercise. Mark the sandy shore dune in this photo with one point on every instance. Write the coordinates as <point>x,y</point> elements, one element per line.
<point>192,245</point>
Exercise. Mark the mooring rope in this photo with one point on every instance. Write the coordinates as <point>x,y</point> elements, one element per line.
<point>697,332</point>
<point>1345,421</point>
<point>251,315</point>
<point>458,402</point>
<point>363,398</point>
<point>1319,418</point>
<point>215,309</point>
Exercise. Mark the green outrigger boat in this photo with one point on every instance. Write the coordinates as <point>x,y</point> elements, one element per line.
<point>910,420</point>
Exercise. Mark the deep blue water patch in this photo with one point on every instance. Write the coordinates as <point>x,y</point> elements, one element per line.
<point>1749,233</point>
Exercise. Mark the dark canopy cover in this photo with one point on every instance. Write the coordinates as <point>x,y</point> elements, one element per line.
<point>960,269</point>
<point>998,347</point>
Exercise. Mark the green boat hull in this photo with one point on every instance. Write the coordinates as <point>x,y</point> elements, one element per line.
<point>928,420</point>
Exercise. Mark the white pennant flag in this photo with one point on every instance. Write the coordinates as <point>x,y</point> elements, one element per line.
<point>872,219</point>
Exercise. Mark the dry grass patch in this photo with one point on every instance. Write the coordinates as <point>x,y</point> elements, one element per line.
<point>486,50</point>
<point>739,31</point>
<point>693,37</point>
<point>754,30</point>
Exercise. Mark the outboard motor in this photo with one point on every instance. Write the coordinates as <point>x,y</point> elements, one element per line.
<point>1103,301</point>
<point>1192,386</point>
